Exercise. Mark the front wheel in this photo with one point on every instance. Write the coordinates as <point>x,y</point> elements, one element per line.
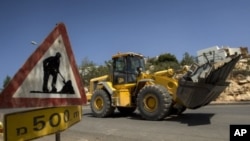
<point>101,104</point>
<point>154,102</point>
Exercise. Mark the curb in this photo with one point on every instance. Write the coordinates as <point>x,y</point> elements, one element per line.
<point>229,102</point>
<point>214,103</point>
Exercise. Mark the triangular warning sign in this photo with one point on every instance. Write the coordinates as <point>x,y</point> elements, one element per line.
<point>49,77</point>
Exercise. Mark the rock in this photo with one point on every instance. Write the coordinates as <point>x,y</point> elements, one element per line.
<point>233,88</point>
<point>229,98</point>
<point>246,87</point>
<point>240,77</point>
<point>238,98</point>
<point>248,79</point>
<point>242,81</point>
<point>242,97</point>
<point>238,90</point>
<point>247,96</point>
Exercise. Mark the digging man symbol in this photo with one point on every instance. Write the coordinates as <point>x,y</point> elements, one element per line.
<point>51,67</point>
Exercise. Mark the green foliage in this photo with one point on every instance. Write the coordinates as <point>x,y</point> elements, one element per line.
<point>164,61</point>
<point>166,65</point>
<point>89,70</point>
<point>187,59</point>
<point>6,81</point>
<point>167,57</point>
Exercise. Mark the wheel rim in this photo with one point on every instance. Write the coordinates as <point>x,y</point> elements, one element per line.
<point>150,102</point>
<point>98,103</point>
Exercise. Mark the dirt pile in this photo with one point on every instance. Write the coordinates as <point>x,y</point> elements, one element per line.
<point>236,91</point>
<point>239,88</point>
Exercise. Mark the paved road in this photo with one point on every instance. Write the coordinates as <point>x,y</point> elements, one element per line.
<point>206,124</point>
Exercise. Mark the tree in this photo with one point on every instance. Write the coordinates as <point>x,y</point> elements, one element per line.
<point>86,70</point>
<point>167,57</point>
<point>166,61</point>
<point>187,59</point>
<point>163,62</point>
<point>89,70</point>
<point>6,81</point>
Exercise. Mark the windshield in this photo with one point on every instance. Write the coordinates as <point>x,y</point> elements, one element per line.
<point>126,68</point>
<point>135,62</point>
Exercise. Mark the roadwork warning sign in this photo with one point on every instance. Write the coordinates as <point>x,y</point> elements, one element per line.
<point>49,77</point>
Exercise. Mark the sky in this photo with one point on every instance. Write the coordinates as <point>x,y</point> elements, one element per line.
<point>98,29</point>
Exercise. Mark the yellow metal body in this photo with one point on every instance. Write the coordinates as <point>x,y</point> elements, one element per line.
<point>122,96</point>
<point>166,79</point>
<point>122,93</point>
<point>93,84</point>
<point>159,94</point>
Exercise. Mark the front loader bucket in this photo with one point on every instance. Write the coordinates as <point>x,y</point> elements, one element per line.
<point>204,90</point>
<point>195,95</point>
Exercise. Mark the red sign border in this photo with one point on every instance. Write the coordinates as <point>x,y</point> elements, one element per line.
<point>6,97</point>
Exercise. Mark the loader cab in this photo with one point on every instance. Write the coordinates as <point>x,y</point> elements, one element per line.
<point>126,67</point>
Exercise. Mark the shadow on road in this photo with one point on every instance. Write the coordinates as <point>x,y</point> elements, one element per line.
<point>192,119</point>
<point>118,115</point>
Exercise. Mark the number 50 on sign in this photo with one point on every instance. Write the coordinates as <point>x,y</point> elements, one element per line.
<point>36,123</point>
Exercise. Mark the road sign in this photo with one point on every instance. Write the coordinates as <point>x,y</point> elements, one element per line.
<point>49,77</point>
<point>27,125</point>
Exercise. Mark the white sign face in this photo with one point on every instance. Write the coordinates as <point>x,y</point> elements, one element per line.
<point>52,77</point>
<point>48,78</point>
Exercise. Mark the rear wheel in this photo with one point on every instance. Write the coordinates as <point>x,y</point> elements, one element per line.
<point>101,104</point>
<point>154,102</point>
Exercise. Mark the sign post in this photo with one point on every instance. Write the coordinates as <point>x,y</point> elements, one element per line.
<point>58,136</point>
<point>50,76</point>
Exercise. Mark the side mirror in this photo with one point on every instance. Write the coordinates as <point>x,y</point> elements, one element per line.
<point>139,70</point>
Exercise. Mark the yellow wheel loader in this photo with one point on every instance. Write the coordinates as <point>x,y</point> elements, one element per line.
<point>160,94</point>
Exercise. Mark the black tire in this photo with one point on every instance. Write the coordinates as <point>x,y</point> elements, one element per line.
<point>126,110</point>
<point>101,104</point>
<point>178,109</point>
<point>154,102</point>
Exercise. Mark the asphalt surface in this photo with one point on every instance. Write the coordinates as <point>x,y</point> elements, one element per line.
<point>205,124</point>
